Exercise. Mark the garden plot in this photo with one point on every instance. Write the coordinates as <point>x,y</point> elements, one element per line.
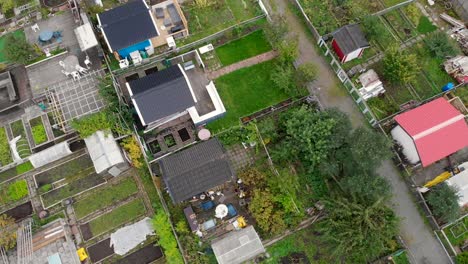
<point>38,131</point>
<point>22,145</point>
<point>457,232</point>
<point>71,189</point>
<point>20,212</point>
<point>104,197</point>
<point>55,126</point>
<point>5,154</point>
<point>113,219</point>
<point>400,24</point>
<point>75,168</point>
<point>221,14</point>
<point>13,191</point>
<point>15,171</point>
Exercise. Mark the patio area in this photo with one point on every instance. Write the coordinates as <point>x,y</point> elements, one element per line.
<point>423,175</point>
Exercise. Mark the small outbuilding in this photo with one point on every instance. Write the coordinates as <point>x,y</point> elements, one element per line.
<point>238,246</point>
<point>431,132</point>
<point>371,85</point>
<point>105,153</point>
<point>349,42</point>
<point>195,170</point>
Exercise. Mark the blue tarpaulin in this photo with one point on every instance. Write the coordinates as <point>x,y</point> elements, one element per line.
<point>124,53</point>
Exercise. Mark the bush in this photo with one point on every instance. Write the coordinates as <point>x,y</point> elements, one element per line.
<point>413,13</point>
<point>440,45</point>
<point>305,74</point>
<point>167,241</point>
<point>234,135</point>
<point>400,67</point>
<point>45,188</point>
<point>462,258</point>
<point>88,125</point>
<point>443,200</point>
<point>130,145</point>
<point>17,49</point>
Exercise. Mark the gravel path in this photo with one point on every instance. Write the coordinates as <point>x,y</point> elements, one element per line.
<point>421,242</point>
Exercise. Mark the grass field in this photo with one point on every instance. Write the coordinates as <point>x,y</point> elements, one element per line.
<point>246,91</point>
<point>117,217</point>
<point>248,46</point>
<point>104,197</point>
<point>18,33</point>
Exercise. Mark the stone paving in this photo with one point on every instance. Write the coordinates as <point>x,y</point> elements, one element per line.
<point>243,64</point>
<point>240,157</point>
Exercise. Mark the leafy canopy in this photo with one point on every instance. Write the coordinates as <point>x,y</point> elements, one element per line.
<point>440,45</point>
<point>443,200</point>
<point>7,232</point>
<point>400,67</point>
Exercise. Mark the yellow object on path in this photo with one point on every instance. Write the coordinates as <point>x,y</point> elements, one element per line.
<point>241,222</point>
<point>82,254</point>
<point>442,177</point>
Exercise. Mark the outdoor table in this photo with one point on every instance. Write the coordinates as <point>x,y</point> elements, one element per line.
<point>46,35</point>
<point>70,63</point>
<point>204,134</point>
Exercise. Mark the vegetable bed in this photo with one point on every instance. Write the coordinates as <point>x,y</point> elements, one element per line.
<point>71,189</point>
<point>5,155</point>
<point>104,197</point>
<point>74,168</point>
<point>12,192</point>
<point>38,130</point>
<point>117,217</point>
<point>18,170</point>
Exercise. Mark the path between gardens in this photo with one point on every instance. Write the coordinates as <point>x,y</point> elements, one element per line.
<point>421,242</point>
<point>242,64</point>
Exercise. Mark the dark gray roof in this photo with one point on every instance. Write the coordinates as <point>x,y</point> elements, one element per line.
<point>195,170</point>
<point>350,38</point>
<point>127,24</point>
<point>162,94</point>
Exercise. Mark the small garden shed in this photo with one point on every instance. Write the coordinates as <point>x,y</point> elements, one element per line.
<point>349,42</point>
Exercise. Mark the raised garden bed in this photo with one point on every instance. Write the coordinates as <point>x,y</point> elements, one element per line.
<point>154,147</point>
<point>55,127</point>
<point>5,154</point>
<point>22,145</point>
<point>15,171</point>
<point>100,250</point>
<point>147,254</point>
<point>57,195</point>
<point>13,191</point>
<point>169,141</point>
<point>69,169</point>
<point>104,197</point>
<point>114,219</point>
<point>20,212</point>
<point>401,26</point>
<point>184,134</point>
<point>38,130</point>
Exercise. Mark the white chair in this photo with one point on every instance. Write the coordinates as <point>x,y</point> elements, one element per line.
<point>35,27</point>
<point>81,69</point>
<point>87,62</point>
<point>47,52</point>
<point>61,63</point>
<point>124,64</point>
<point>76,76</point>
<point>66,73</point>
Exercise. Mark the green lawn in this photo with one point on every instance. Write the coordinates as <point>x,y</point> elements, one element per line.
<point>246,91</point>
<point>17,33</point>
<point>117,217</point>
<point>462,92</point>
<point>455,232</point>
<point>248,46</point>
<point>104,197</point>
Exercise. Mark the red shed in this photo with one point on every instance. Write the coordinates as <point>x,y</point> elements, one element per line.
<point>349,42</point>
<point>431,132</point>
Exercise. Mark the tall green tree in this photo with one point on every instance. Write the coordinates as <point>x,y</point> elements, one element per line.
<point>276,31</point>
<point>7,5</point>
<point>443,200</point>
<point>369,148</point>
<point>263,209</point>
<point>358,232</point>
<point>440,45</point>
<point>305,74</point>
<point>7,232</point>
<point>17,49</point>
<point>366,188</point>
<point>399,66</point>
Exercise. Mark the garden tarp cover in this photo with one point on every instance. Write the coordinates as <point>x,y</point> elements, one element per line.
<point>127,238</point>
<point>49,155</point>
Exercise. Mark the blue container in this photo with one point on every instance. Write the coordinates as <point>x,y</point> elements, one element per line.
<point>449,86</point>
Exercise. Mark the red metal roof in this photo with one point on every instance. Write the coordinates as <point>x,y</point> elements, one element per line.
<point>437,128</point>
